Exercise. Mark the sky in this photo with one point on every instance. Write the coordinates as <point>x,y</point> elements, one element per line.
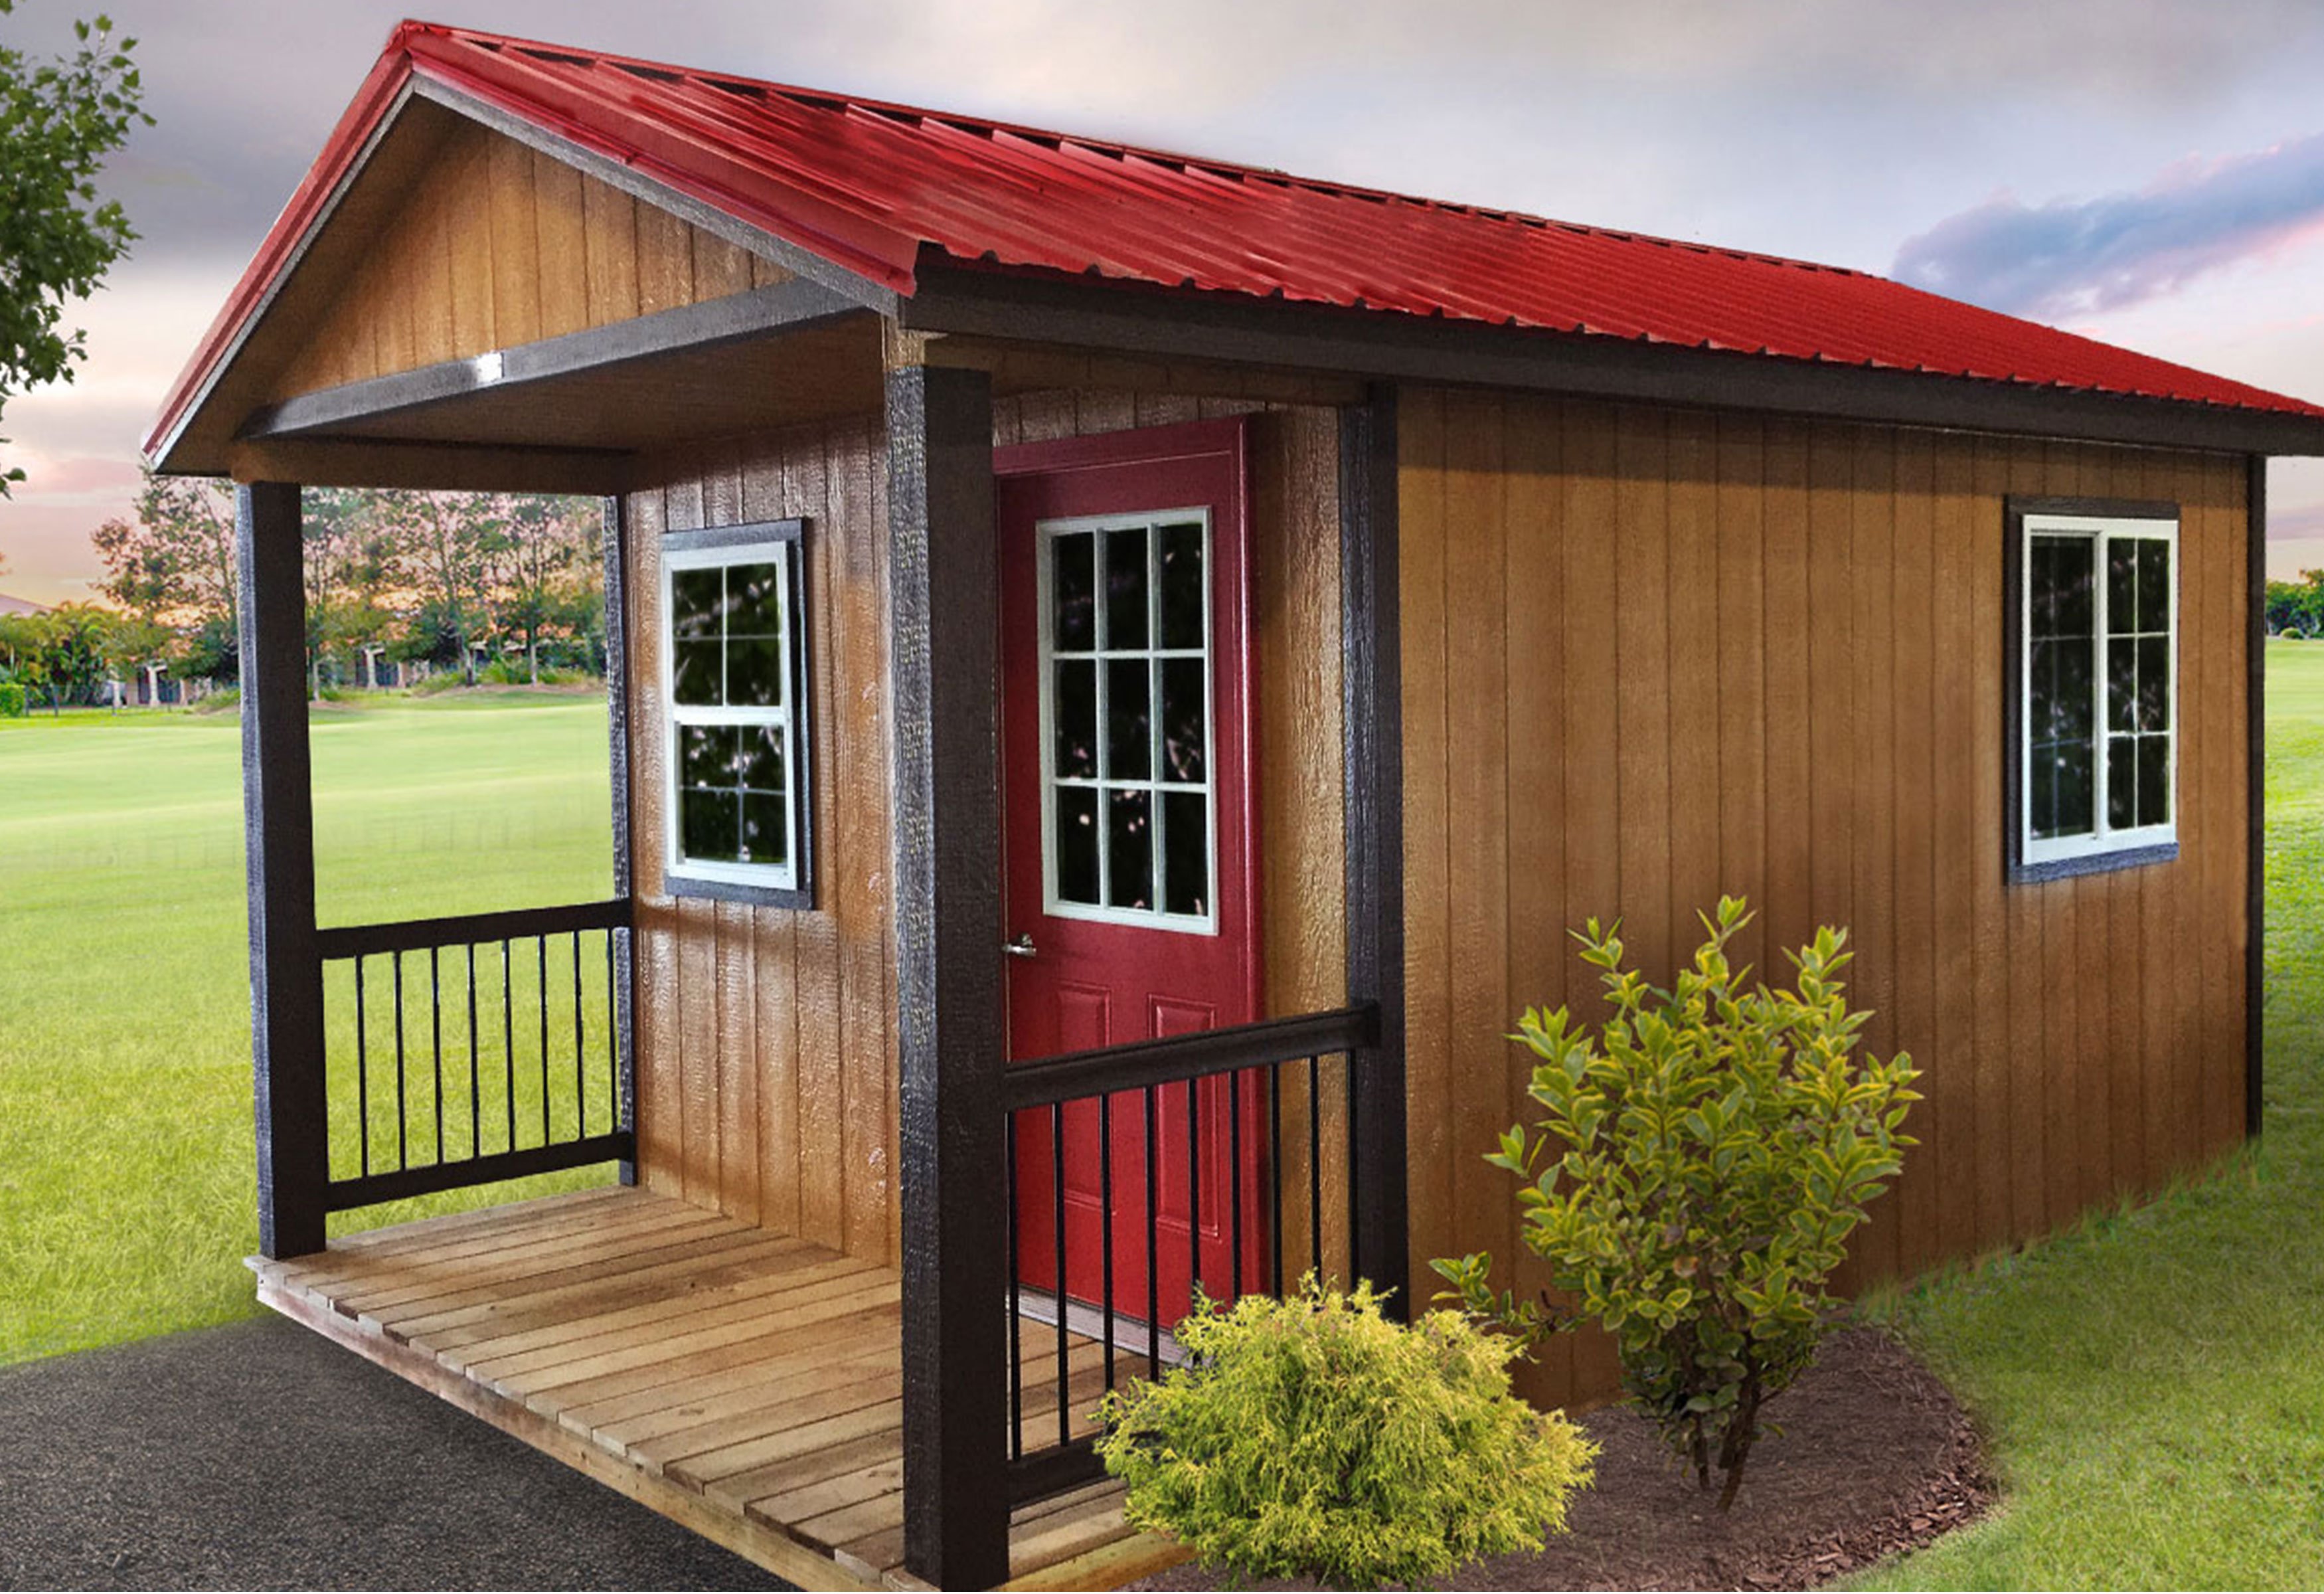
<point>2147,171</point>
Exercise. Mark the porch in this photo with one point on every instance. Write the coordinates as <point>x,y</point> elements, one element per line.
<point>746,1383</point>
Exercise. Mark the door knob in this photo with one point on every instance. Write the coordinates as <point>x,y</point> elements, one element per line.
<point>1022,947</point>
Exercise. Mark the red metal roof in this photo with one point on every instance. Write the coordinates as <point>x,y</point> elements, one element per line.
<point>868,185</point>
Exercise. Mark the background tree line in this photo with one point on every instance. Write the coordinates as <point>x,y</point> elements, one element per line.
<point>2297,606</point>
<point>506,587</point>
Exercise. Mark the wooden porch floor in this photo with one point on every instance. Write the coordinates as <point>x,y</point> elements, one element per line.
<point>744,1384</point>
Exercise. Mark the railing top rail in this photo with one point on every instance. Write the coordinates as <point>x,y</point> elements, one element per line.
<point>413,935</point>
<point>1079,1075</point>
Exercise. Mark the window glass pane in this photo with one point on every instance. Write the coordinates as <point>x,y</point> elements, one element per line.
<point>2062,690</point>
<point>709,825</point>
<point>1128,720</point>
<point>1125,588</point>
<point>2064,604</point>
<point>1073,718</point>
<point>1129,849</point>
<point>1184,711</point>
<point>1076,814</point>
<point>754,600</point>
<point>2154,780</point>
<point>2153,584</point>
<point>696,602</point>
<point>2077,814</point>
<point>2122,782</point>
<point>2122,586</point>
<point>706,756</point>
<point>2122,683</point>
<point>2153,683</point>
<point>694,673</point>
<point>1182,585</point>
<point>1073,587</point>
<point>765,828</point>
<point>1187,841</point>
<point>2042,777</point>
<point>754,673</point>
<point>759,762</point>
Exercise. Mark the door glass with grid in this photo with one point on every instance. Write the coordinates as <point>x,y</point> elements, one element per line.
<point>1129,823</point>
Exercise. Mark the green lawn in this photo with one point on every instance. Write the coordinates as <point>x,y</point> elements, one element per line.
<point>2154,1386</point>
<point>126,1159</point>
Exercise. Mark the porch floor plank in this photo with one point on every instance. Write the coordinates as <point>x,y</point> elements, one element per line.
<point>744,1382</point>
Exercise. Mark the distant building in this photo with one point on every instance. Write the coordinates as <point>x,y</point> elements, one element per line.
<point>20,606</point>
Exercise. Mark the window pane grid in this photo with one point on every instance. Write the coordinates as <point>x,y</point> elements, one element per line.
<point>732,742</point>
<point>2099,681</point>
<point>1125,683</point>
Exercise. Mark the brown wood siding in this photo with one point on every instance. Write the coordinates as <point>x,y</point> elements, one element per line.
<point>1650,656</point>
<point>500,244</point>
<point>766,1053</point>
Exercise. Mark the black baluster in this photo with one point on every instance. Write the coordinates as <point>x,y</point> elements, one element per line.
<point>1105,1215</point>
<point>363,1072</point>
<point>1275,1173</point>
<point>1316,1165</point>
<point>580,1048</point>
<point>1234,1182</point>
<point>1153,1247</point>
<point>1193,1194</point>
<point>541,945</point>
<point>475,1069</point>
<point>402,1108</point>
<point>1015,1306</point>
<point>1057,1187</point>
<point>613,1039</point>
<point>508,1035</point>
<point>436,1037</point>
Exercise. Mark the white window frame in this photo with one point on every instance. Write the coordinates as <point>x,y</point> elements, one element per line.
<point>1045,533</point>
<point>2044,856</point>
<point>789,883</point>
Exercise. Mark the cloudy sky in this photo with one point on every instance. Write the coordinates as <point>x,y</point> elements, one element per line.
<point>2149,172</point>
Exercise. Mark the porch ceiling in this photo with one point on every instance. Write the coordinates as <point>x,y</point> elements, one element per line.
<point>610,405</point>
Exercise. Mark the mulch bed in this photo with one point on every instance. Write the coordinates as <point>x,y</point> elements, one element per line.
<point>1875,1458</point>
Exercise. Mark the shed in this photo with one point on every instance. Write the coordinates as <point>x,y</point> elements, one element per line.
<point>1125,669</point>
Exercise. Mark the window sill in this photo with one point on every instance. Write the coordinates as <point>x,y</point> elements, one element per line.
<point>800,898</point>
<point>2095,862</point>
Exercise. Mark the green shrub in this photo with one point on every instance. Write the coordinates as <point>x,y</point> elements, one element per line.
<point>1315,1436</point>
<point>1696,1171</point>
<point>13,705</point>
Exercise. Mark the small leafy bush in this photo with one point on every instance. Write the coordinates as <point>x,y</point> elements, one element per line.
<point>1313,1436</point>
<point>13,705</point>
<point>1697,1167</point>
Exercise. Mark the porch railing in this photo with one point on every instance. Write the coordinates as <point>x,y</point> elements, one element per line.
<point>463,1050</point>
<point>1223,1161</point>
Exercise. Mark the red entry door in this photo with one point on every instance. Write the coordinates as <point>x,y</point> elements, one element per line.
<point>1131,914</point>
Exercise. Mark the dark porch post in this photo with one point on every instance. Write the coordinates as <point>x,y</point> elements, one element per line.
<point>617,720</point>
<point>944,583</point>
<point>286,977</point>
<point>1372,682</point>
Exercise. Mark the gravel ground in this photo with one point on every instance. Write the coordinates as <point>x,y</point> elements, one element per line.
<point>262,1456</point>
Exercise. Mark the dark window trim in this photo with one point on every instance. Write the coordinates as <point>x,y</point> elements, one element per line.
<point>2016,509</point>
<point>801,771</point>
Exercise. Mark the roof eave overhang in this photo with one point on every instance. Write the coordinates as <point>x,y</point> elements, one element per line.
<point>400,78</point>
<point>1131,318</point>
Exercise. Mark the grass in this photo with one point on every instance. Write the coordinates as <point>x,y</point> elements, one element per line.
<point>2153,1384</point>
<point>126,1166</point>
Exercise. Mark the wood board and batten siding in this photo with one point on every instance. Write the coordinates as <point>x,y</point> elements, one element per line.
<point>766,1043</point>
<point>502,245</point>
<point>767,1060</point>
<point>1651,656</point>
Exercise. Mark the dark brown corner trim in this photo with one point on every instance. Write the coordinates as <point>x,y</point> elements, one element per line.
<point>1139,318</point>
